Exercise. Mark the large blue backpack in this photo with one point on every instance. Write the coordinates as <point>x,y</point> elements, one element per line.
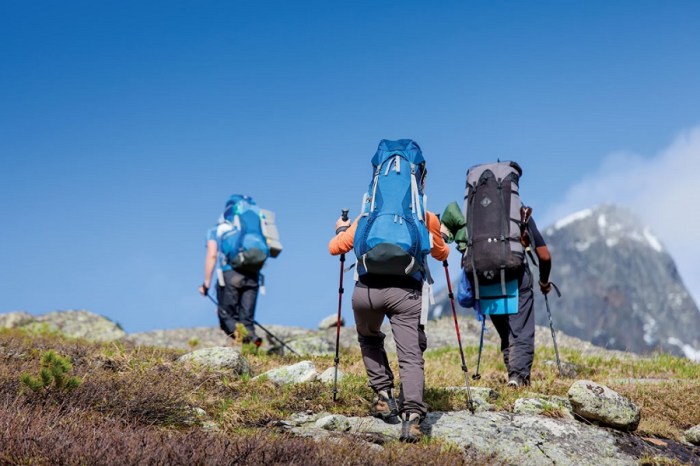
<point>243,245</point>
<point>391,236</point>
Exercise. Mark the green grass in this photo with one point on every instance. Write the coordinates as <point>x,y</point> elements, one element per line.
<point>146,385</point>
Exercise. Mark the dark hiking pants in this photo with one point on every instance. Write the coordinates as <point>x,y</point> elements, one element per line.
<point>517,332</point>
<point>237,300</point>
<point>403,308</point>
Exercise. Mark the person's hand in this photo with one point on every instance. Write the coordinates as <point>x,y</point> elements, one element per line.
<point>342,225</point>
<point>545,288</point>
<point>446,233</point>
<point>203,289</point>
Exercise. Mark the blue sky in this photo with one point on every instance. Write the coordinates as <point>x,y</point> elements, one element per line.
<point>125,125</point>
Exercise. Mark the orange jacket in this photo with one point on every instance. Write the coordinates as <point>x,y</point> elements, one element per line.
<point>343,241</point>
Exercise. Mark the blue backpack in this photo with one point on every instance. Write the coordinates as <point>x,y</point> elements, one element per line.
<point>391,236</point>
<point>243,246</point>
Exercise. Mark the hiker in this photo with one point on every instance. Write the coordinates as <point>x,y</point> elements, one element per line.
<point>499,233</point>
<point>392,238</point>
<point>238,248</point>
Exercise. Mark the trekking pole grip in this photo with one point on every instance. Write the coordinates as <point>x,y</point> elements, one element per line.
<point>344,215</point>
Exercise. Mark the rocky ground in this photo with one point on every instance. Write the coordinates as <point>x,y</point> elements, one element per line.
<point>591,424</point>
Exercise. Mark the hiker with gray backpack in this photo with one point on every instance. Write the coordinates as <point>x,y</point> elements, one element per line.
<point>392,238</point>
<point>237,249</point>
<point>495,234</point>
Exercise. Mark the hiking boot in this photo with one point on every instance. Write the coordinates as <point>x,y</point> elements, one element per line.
<point>517,382</point>
<point>410,428</point>
<point>257,341</point>
<point>385,408</point>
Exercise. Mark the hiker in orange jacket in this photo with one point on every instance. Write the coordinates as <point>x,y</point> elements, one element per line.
<point>400,298</point>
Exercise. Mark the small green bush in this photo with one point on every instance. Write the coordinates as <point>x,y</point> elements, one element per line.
<point>53,373</point>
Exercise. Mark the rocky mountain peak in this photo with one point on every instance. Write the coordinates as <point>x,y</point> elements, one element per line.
<point>622,289</point>
<point>608,223</point>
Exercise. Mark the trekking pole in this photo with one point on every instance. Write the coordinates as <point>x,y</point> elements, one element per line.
<point>262,328</point>
<point>477,376</point>
<point>344,216</point>
<point>459,338</point>
<point>551,327</point>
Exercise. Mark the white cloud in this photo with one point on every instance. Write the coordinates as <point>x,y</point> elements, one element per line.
<point>664,190</point>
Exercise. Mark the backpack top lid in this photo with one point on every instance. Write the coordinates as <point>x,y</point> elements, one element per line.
<point>230,209</point>
<point>407,147</point>
<point>505,164</point>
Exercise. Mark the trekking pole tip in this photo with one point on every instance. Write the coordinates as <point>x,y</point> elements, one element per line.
<point>476,376</point>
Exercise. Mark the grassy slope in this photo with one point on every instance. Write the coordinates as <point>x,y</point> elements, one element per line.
<point>136,401</point>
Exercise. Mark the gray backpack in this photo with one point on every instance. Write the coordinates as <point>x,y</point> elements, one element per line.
<point>492,208</point>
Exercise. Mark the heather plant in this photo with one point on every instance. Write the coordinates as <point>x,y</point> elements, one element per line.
<point>134,395</point>
<point>53,373</point>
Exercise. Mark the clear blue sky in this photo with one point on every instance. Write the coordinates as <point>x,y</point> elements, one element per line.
<point>125,125</point>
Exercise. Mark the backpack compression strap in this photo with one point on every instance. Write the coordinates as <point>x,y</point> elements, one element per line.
<point>470,240</point>
<point>415,195</point>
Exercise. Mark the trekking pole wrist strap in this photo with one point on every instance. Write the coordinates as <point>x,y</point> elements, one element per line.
<point>341,229</point>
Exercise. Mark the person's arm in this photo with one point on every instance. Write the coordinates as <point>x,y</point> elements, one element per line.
<point>343,241</point>
<point>545,258</point>
<point>209,264</point>
<point>440,250</point>
<point>545,268</point>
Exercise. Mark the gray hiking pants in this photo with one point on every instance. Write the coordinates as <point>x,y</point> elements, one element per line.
<point>237,299</point>
<point>403,307</point>
<point>517,331</point>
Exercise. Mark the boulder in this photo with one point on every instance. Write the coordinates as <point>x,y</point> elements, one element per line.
<point>219,357</point>
<point>480,396</point>
<point>15,319</point>
<point>333,422</point>
<point>509,438</point>
<point>312,346</point>
<point>568,369</point>
<point>600,404</point>
<point>330,322</point>
<point>328,375</point>
<point>487,393</point>
<point>539,404</point>
<point>692,435</point>
<point>81,324</point>
<point>301,372</point>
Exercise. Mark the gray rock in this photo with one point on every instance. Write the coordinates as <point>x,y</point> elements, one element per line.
<point>15,319</point>
<point>568,369</point>
<point>480,396</point>
<point>334,422</point>
<point>540,403</point>
<point>486,393</point>
<point>219,357</point>
<point>599,403</point>
<point>328,376</point>
<point>81,324</point>
<point>514,439</point>
<point>298,419</point>
<point>312,346</point>
<point>692,435</point>
<point>331,322</point>
<point>301,372</point>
